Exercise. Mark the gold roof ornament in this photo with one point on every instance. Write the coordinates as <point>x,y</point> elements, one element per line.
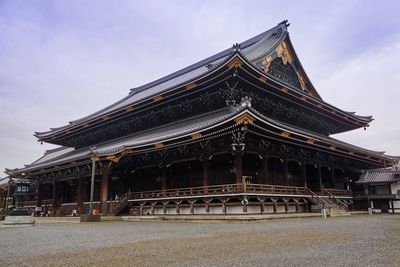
<point>266,62</point>
<point>284,53</point>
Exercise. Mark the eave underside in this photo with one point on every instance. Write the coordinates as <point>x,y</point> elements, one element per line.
<point>214,125</point>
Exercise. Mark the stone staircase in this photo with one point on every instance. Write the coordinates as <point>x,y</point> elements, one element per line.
<point>332,205</point>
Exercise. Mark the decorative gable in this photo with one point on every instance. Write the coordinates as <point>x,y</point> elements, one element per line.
<point>282,64</point>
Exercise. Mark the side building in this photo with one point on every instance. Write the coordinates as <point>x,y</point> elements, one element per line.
<point>243,131</point>
<point>383,188</point>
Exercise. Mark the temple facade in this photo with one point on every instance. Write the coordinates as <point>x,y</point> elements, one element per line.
<point>243,131</point>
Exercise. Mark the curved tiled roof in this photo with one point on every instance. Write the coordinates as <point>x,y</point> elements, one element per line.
<point>257,46</point>
<point>379,176</point>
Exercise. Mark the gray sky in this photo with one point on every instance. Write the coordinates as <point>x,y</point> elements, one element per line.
<point>61,60</point>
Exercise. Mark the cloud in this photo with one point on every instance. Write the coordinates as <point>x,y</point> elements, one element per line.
<point>62,60</point>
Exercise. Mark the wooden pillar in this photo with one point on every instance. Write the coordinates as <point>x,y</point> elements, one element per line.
<point>333,178</point>
<point>39,196</point>
<point>274,206</point>
<point>321,186</point>
<point>286,206</point>
<point>265,172</point>
<point>191,207</point>
<point>286,171</point>
<point>152,208</point>
<point>224,206</point>
<point>296,203</point>
<point>262,208</point>
<point>81,195</point>
<point>207,202</point>
<point>391,201</point>
<point>104,193</point>
<point>206,174</point>
<point>141,208</point>
<point>54,204</point>
<point>238,170</point>
<point>178,207</point>
<point>164,178</point>
<point>304,173</point>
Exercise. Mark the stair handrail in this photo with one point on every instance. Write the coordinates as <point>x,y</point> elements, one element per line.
<point>121,204</point>
<point>340,203</point>
<point>320,199</point>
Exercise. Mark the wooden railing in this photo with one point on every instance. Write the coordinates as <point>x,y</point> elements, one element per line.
<point>190,191</point>
<point>342,205</point>
<point>337,192</point>
<point>276,189</point>
<point>318,200</point>
<point>220,189</point>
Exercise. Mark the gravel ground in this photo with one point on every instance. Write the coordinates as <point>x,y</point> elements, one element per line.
<point>360,240</point>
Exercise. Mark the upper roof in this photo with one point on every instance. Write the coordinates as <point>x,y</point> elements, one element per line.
<point>259,52</point>
<point>253,48</point>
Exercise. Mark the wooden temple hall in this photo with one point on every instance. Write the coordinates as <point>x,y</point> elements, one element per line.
<point>242,131</point>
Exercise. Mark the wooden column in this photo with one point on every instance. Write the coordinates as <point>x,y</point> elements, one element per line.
<point>333,178</point>
<point>286,171</point>
<point>304,173</point>
<point>104,193</point>
<point>54,204</point>
<point>164,178</point>
<point>265,172</point>
<point>81,195</point>
<point>39,196</point>
<point>224,206</point>
<point>274,206</point>
<point>262,204</point>
<point>206,174</point>
<point>238,170</point>
<point>321,186</point>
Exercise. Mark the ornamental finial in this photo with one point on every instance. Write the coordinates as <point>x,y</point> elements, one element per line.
<point>245,102</point>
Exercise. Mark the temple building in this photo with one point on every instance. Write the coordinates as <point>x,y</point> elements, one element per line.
<point>242,131</point>
<point>383,188</point>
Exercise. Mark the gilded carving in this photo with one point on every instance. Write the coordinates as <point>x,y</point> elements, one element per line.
<point>157,98</point>
<point>301,80</point>
<point>266,62</point>
<point>285,134</point>
<point>245,119</point>
<point>235,63</point>
<point>159,145</point>
<point>191,85</point>
<point>284,53</point>
<point>196,136</point>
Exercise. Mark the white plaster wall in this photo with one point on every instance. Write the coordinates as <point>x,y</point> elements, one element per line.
<point>199,210</point>
<point>234,209</point>
<point>253,209</point>
<point>292,207</point>
<point>302,207</point>
<point>215,209</point>
<point>280,208</point>
<point>185,210</point>
<point>396,205</point>
<point>171,210</point>
<point>395,187</point>
<point>146,211</point>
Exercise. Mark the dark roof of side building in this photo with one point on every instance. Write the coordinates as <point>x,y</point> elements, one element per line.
<point>383,175</point>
